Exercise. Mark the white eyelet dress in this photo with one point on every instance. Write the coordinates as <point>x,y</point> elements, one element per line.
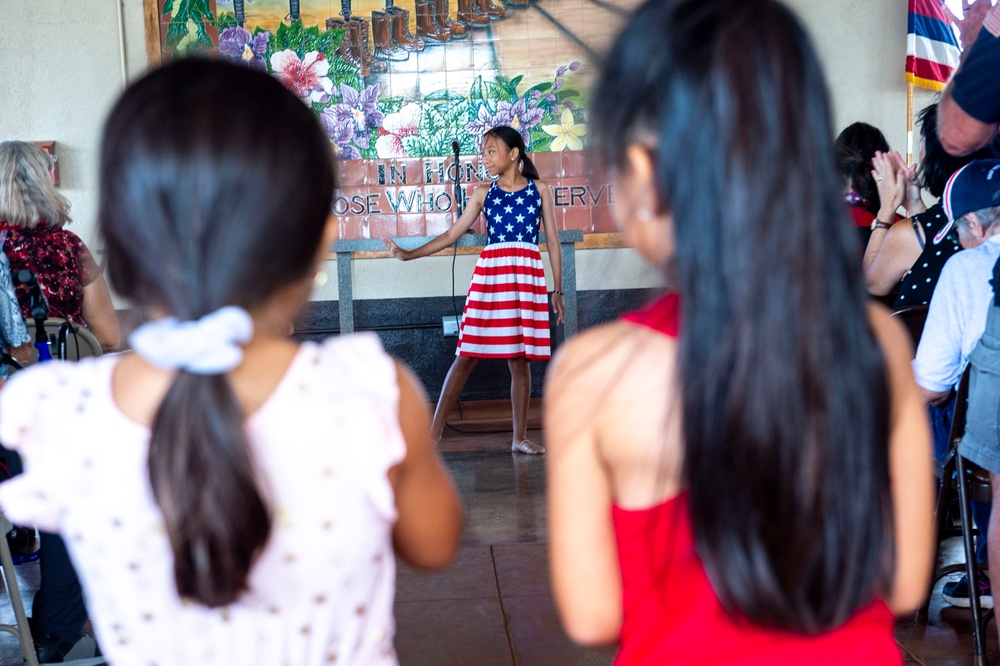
<point>322,590</point>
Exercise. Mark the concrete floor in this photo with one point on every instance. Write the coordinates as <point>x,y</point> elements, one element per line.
<point>944,636</point>
<point>494,605</point>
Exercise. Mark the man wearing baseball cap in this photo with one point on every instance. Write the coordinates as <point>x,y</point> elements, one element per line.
<point>970,197</point>
<point>958,312</point>
<point>957,315</point>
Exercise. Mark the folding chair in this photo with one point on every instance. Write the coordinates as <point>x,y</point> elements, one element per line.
<point>961,478</point>
<point>913,317</point>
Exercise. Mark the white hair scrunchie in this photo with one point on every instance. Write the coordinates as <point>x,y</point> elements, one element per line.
<point>209,346</point>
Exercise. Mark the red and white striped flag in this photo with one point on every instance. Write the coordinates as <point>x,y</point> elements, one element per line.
<point>932,50</point>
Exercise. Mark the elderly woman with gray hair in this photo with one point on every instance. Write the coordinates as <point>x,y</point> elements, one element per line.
<point>32,214</point>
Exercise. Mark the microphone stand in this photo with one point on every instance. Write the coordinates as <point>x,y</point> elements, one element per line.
<point>458,187</point>
<point>458,208</point>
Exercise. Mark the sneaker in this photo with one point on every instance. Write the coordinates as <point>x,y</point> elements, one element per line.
<point>956,592</point>
<point>52,650</point>
<point>48,648</point>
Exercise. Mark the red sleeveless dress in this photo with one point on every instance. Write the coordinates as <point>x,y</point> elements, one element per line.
<point>673,616</point>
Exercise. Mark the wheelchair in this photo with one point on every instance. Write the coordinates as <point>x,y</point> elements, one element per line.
<point>55,337</point>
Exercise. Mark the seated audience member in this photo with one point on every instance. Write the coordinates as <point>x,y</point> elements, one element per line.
<point>32,213</point>
<point>957,315</point>
<point>981,440</point>
<point>970,105</point>
<point>901,259</point>
<point>854,150</point>
<point>900,255</point>
<point>228,495</point>
<point>719,463</point>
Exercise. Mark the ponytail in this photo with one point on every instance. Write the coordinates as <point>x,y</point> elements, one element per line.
<point>203,478</point>
<point>528,169</point>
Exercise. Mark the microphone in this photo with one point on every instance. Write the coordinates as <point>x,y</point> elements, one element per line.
<point>455,148</point>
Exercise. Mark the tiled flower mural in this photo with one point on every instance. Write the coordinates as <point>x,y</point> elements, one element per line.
<point>407,83</point>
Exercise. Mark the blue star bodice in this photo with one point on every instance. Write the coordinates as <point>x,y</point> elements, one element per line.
<point>513,216</point>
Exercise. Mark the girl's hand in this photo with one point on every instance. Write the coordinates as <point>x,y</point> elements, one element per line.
<point>558,306</point>
<point>891,184</point>
<point>395,250</point>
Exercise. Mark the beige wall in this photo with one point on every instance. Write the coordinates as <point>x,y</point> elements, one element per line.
<point>62,68</point>
<point>863,47</point>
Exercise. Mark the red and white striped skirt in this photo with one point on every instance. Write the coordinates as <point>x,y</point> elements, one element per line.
<point>507,309</point>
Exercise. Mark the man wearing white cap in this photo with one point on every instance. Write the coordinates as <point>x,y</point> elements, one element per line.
<point>957,317</point>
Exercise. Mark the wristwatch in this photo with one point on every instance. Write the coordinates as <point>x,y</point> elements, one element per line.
<point>879,224</point>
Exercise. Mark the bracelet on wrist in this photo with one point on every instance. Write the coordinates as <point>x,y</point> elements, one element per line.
<point>556,291</point>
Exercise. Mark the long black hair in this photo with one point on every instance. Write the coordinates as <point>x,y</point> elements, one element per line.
<point>937,164</point>
<point>854,148</point>
<point>783,385</point>
<point>215,186</point>
<point>511,138</point>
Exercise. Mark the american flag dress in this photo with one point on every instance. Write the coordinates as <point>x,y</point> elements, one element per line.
<point>507,310</point>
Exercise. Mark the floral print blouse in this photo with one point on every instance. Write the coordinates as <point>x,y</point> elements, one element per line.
<point>61,261</point>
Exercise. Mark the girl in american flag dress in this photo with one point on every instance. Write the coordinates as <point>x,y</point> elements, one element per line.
<point>506,311</point>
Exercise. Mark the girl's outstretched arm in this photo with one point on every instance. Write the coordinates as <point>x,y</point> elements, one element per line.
<point>473,207</point>
<point>429,521</point>
<point>554,248</point>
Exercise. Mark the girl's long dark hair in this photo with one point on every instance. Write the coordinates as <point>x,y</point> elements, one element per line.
<point>513,139</point>
<point>215,186</point>
<point>784,389</point>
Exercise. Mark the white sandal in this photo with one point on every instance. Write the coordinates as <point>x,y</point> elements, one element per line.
<point>528,447</point>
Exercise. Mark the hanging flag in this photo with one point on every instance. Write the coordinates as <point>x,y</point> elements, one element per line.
<point>932,50</point>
